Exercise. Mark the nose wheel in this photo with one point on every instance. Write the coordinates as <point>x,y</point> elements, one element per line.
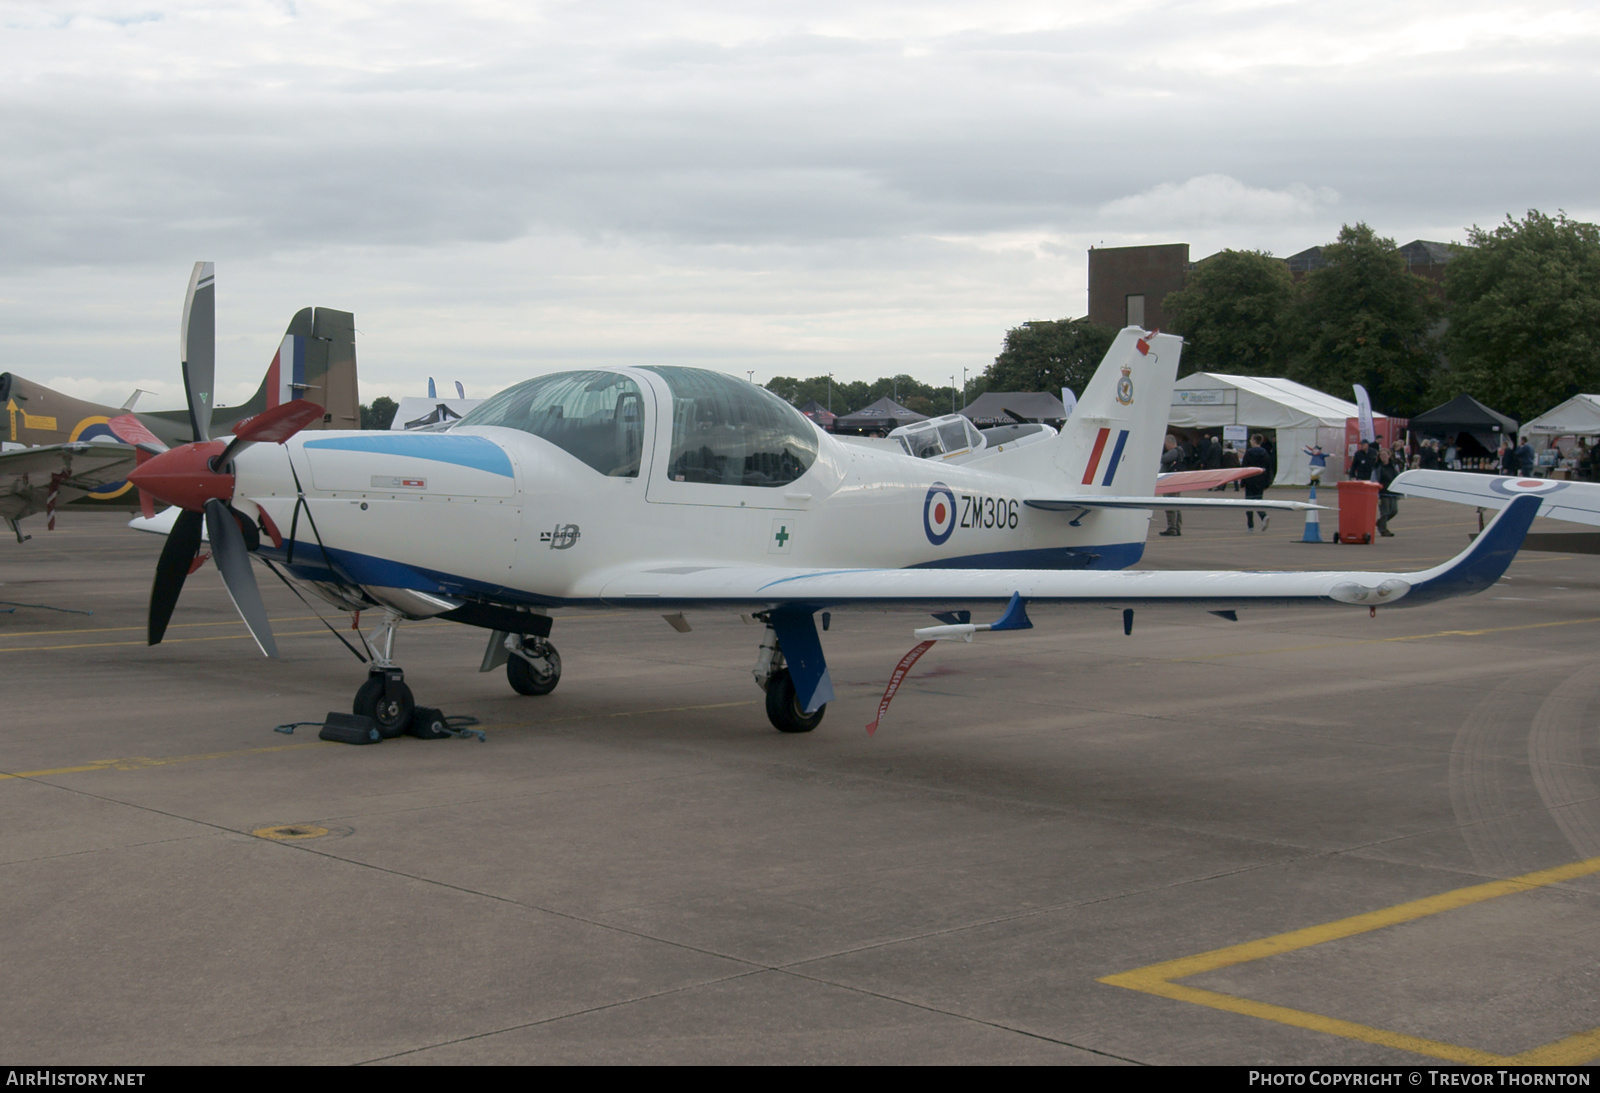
<point>386,699</point>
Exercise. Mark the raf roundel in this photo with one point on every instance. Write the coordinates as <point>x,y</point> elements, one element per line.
<point>1517,487</point>
<point>939,513</point>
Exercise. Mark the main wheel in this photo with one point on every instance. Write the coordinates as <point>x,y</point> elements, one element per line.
<point>783,706</point>
<point>391,711</point>
<point>537,678</point>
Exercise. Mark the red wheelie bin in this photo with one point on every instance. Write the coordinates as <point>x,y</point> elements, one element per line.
<point>1358,512</point>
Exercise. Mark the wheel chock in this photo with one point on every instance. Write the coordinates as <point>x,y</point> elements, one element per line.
<point>349,728</point>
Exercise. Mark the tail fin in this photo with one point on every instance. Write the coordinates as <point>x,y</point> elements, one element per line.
<point>1112,441</point>
<point>315,360</point>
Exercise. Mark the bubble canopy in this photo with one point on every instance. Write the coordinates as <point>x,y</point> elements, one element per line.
<point>725,431</point>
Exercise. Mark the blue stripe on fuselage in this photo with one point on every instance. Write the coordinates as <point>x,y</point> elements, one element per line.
<point>476,452</point>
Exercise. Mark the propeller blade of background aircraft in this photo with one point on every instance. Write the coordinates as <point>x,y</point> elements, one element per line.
<point>233,562</point>
<point>199,347</point>
<point>275,425</point>
<point>182,545</point>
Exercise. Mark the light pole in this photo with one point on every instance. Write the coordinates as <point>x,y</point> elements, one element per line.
<point>963,387</point>
<point>751,372</point>
<point>830,392</point>
<point>952,394</point>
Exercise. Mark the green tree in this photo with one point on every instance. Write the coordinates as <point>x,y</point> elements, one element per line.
<point>1364,318</point>
<point>380,414</point>
<point>1233,312</point>
<point>1524,310</point>
<point>1047,355</point>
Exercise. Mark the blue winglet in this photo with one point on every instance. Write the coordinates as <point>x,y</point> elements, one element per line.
<point>1485,561</point>
<point>1016,616</point>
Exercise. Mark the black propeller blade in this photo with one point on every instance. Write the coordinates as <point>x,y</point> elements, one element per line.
<point>176,557</point>
<point>232,556</point>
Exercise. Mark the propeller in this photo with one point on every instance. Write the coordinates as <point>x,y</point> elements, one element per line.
<point>198,478</point>
<point>198,346</point>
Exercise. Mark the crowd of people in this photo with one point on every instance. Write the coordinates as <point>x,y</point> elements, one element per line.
<point>1371,462</point>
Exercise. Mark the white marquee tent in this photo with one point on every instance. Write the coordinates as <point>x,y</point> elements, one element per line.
<point>1578,416</point>
<point>1301,416</point>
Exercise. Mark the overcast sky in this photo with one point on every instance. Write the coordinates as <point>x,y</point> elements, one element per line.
<point>503,189</point>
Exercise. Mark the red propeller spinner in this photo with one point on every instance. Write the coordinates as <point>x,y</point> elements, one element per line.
<point>191,474</point>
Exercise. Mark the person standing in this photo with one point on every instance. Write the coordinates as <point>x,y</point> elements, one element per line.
<point>1171,461</point>
<point>1255,487</point>
<point>1361,463</point>
<point>1525,458</point>
<point>1388,501</point>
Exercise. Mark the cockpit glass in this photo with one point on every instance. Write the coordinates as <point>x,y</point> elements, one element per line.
<point>730,432</point>
<point>596,417</point>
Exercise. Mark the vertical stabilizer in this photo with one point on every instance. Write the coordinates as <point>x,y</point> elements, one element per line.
<point>1112,442</point>
<point>316,360</point>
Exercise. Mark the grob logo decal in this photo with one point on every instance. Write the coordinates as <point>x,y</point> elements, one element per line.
<point>939,513</point>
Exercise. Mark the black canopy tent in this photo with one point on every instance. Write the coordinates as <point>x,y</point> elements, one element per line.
<point>885,414</point>
<point>1468,424</point>
<point>997,408</point>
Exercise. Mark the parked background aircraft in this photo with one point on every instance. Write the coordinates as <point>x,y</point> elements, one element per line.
<point>669,489</point>
<point>61,450</point>
<point>1573,502</point>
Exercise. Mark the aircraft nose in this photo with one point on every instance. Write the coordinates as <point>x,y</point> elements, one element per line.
<point>183,476</point>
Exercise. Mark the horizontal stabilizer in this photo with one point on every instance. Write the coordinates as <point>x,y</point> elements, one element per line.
<point>1179,481</point>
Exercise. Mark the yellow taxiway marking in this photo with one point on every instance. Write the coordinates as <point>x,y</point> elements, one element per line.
<point>1161,979</point>
<point>140,762</point>
<point>169,641</point>
<point>141,626</point>
<point>233,622</point>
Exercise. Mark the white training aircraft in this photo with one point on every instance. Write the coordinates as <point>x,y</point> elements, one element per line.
<point>667,489</point>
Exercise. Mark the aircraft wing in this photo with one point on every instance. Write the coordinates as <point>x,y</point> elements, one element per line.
<point>688,585</point>
<point>1578,502</point>
<point>25,473</point>
<point>1178,481</point>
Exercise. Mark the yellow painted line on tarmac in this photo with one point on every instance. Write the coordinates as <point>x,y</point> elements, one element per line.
<point>225,622</point>
<point>141,762</point>
<point>114,629</point>
<point>642,713</point>
<point>1161,979</point>
<point>169,641</point>
<point>1378,641</point>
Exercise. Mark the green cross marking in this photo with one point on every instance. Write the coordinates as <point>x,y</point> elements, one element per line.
<point>783,535</point>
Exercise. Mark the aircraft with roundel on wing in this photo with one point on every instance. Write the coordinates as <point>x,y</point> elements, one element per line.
<point>57,450</point>
<point>669,490</point>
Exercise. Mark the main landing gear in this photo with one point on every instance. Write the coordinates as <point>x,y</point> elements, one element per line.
<point>771,672</point>
<point>533,666</point>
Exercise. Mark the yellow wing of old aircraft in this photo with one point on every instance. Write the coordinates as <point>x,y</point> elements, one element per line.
<point>57,450</point>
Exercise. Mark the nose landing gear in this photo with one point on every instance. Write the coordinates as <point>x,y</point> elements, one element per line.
<point>384,697</point>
